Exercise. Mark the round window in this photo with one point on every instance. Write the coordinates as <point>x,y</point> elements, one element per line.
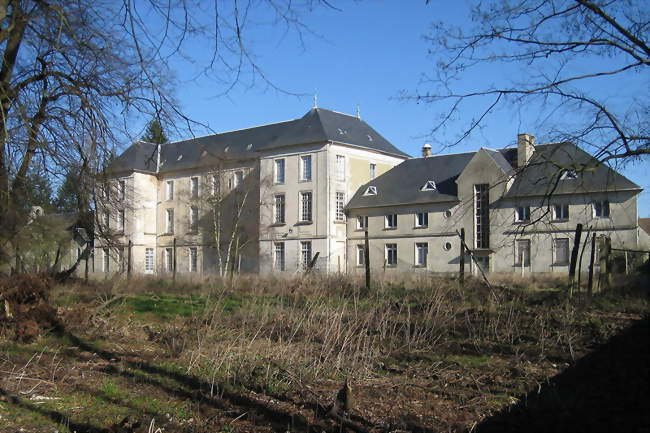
<point>447,246</point>
<point>447,213</point>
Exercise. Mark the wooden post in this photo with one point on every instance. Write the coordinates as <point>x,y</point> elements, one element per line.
<point>174,261</point>
<point>627,267</point>
<point>128,259</point>
<point>366,259</point>
<point>461,275</point>
<point>574,257</point>
<point>604,248</point>
<point>590,284</point>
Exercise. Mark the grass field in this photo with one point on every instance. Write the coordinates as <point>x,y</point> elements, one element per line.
<point>421,354</point>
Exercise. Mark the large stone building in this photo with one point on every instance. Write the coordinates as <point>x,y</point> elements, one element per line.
<point>269,198</point>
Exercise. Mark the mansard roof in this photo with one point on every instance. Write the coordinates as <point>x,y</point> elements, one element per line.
<point>317,126</point>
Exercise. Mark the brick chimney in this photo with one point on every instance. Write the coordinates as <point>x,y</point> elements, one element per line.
<point>426,150</point>
<point>525,148</point>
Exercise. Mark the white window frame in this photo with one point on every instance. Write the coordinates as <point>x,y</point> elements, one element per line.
<point>106,260</point>
<point>149,261</point>
<point>429,186</point>
<point>340,167</point>
<point>340,204</point>
<point>371,190</point>
<point>421,260</point>
<point>169,220</point>
<point>556,260</point>
<point>522,214</point>
<point>279,169</point>
<point>306,168</point>
<point>306,254</point>
<point>362,222</point>
<point>390,221</point>
<point>193,259</point>
<point>306,212</point>
<point>518,244</point>
<point>279,256</point>
<point>194,219</point>
<point>373,170</point>
<point>237,178</point>
<point>388,248</point>
<point>194,187</point>
<point>279,209</point>
<point>361,255</point>
<point>168,261</point>
<point>563,215</point>
<point>214,184</point>
<point>604,205</point>
<point>121,220</point>
<point>106,220</point>
<point>169,190</point>
<point>424,220</point>
<point>121,189</point>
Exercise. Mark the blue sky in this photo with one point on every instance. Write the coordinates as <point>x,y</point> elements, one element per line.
<point>365,55</point>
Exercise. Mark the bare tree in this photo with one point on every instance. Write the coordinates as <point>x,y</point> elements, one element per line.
<point>552,55</point>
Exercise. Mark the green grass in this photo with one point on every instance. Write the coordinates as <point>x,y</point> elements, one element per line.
<point>166,306</point>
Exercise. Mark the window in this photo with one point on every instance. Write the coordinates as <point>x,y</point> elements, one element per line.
<point>391,254</point>
<point>279,171</point>
<point>214,184</point>
<point>278,209</point>
<point>361,255</point>
<point>522,252</point>
<point>120,220</point>
<point>305,206</point>
<point>446,246</point>
<point>362,223</point>
<point>121,190</point>
<point>447,213</point>
<point>561,251</point>
<point>390,221</point>
<point>373,171</point>
<point>371,190</point>
<point>340,203</point>
<point>421,219</point>
<point>305,253</point>
<point>569,174</point>
<point>194,187</point>
<point>169,259</point>
<point>106,220</point>
<point>421,253</point>
<point>522,213</point>
<point>194,255</point>
<point>429,186</point>
<point>148,260</point>
<point>601,209</point>
<point>170,221</point>
<point>561,212</point>
<point>106,190</point>
<point>278,259</point>
<point>105,260</point>
<point>305,167</point>
<point>340,167</point>
<point>120,259</point>
<point>194,219</point>
<point>169,194</point>
<point>482,215</point>
<point>238,178</point>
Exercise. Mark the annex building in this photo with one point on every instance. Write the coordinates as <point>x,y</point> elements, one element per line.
<point>283,196</point>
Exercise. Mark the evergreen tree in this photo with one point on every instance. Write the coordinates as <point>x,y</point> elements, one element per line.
<point>155,133</point>
<point>68,197</point>
<point>37,190</point>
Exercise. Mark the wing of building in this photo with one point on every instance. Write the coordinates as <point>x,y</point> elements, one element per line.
<point>285,196</point>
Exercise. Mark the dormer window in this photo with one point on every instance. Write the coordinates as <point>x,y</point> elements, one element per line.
<point>569,174</point>
<point>429,186</point>
<point>371,190</point>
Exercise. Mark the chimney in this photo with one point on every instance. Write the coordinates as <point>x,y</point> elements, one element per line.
<point>426,150</point>
<point>525,148</point>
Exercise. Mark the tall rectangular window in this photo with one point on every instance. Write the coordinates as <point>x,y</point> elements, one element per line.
<point>421,219</point>
<point>169,192</point>
<point>340,203</point>
<point>194,187</point>
<point>390,221</point>
<point>561,212</point>
<point>105,260</point>
<point>238,178</point>
<point>305,206</point>
<point>373,170</point>
<point>194,219</point>
<point>106,220</point>
<point>194,255</point>
<point>169,259</point>
<point>305,167</point>
<point>522,213</point>
<point>278,256</point>
<point>421,253</point>
<point>120,259</point>
<point>522,252</point>
<point>214,184</point>
<point>361,255</point>
<point>121,223</point>
<point>340,167</point>
<point>481,215</point>
<point>390,254</point>
<point>601,209</point>
<point>561,251</point>
<point>279,171</point>
<point>148,260</point>
<point>121,189</point>
<point>305,253</point>
<point>279,209</point>
<point>169,227</point>
<point>362,222</point>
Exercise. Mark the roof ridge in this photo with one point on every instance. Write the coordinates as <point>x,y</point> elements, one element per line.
<point>338,112</point>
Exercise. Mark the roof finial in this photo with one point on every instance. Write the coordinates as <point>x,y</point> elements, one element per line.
<point>359,111</point>
<point>316,99</point>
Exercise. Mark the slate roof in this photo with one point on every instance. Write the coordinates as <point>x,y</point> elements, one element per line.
<point>644,223</point>
<point>402,183</point>
<point>317,126</point>
<point>541,175</point>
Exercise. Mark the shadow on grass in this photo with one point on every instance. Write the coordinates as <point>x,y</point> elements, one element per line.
<point>607,390</point>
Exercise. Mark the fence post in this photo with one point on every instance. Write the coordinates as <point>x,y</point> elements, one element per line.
<point>461,275</point>
<point>366,258</point>
<point>128,260</point>
<point>604,251</point>
<point>574,258</point>
<point>590,284</point>
<point>174,261</point>
<point>582,252</point>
